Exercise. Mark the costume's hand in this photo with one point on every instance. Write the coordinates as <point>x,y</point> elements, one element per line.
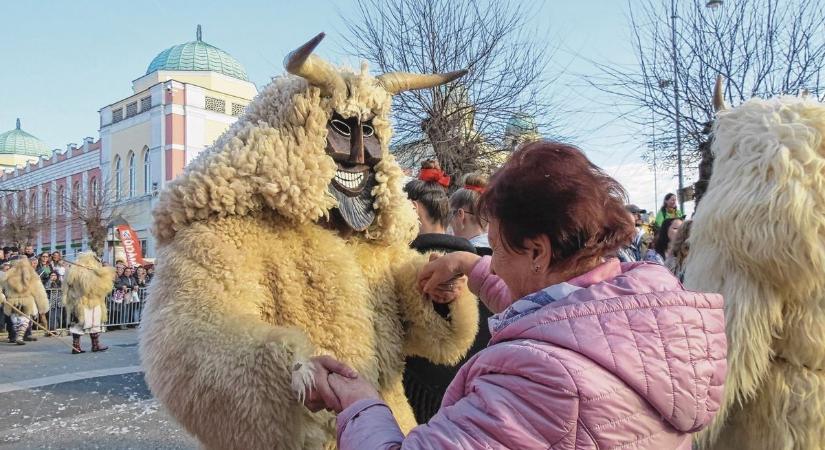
<point>320,396</point>
<point>350,390</point>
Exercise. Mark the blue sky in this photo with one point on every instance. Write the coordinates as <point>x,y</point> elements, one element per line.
<point>62,61</point>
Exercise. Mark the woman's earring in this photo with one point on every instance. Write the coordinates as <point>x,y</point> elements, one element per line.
<point>536,269</point>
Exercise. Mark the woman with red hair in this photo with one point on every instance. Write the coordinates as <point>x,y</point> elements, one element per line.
<point>585,352</point>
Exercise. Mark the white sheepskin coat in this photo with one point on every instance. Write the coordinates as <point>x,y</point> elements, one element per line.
<point>758,238</point>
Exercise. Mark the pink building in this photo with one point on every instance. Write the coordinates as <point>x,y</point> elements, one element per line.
<point>43,192</point>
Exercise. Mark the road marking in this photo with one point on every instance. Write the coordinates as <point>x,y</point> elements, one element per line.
<point>65,378</point>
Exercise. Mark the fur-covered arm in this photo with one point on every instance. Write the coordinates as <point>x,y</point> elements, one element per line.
<point>221,370</point>
<point>428,334</point>
<point>41,299</point>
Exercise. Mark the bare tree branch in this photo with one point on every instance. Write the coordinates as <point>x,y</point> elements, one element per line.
<point>761,47</point>
<point>465,121</point>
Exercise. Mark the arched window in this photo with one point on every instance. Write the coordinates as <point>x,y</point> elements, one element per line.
<point>94,191</point>
<point>61,200</point>
<point>77,197</point>
<point>147,171</point>
<point>33,205</point>
<point>132,174</point>
<point>21,204</point>
<point>47,205</point>
<point>118,178</point>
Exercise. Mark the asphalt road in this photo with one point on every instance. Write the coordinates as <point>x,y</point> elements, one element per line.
<point>50,398</point>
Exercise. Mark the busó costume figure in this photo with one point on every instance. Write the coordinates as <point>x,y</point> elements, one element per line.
<point>85,287</point>
<point>25,296</point>
<point>758,238</point>
<point>285,240</point>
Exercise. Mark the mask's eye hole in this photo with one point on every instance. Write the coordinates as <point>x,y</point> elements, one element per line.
<point>340,126</point>
<point>367,130</point>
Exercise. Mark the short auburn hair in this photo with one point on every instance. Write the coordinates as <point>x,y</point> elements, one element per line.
<point>552,188</point>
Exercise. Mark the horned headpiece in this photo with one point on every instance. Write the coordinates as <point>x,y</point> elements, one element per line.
<point>317,72</point>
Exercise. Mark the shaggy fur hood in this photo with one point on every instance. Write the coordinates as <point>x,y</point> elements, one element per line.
<point>274,159</point>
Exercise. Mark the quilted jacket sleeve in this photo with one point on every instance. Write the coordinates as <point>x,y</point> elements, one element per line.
<point>529,404</point>
<point>489,288</point>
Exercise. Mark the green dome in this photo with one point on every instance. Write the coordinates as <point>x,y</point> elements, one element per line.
<point>197,55</point>
<point>18,142</point>
<point>521,124</point>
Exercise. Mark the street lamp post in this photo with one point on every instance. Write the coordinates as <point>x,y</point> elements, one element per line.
<point>676,103</point>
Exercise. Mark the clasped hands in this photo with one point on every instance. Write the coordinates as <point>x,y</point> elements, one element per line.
<point>336,386</point>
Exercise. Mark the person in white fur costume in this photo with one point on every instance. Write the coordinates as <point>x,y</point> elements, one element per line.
<point>758,238</point>
<point>301,204</point>
<point>84,293</point>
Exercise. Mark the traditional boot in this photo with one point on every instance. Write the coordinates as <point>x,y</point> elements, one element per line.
<point>76,344</point>
<point>96,347</point>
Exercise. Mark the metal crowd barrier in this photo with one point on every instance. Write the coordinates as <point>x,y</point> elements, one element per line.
<point>125,310</point>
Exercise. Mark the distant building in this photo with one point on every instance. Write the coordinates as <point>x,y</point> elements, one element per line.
<point>18,148</point>
<point>190,94</point>
<point>38,196</point>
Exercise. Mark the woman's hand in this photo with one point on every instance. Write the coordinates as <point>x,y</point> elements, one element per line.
<point>443,274</point>
<point>320,396</point>
<point>351,390</point>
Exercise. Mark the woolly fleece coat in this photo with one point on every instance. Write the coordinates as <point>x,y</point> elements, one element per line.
<point>23,289</point>
<point>249,285</point>
<point>758,238</point>
<point>630,360</point>
<point>86,285</point>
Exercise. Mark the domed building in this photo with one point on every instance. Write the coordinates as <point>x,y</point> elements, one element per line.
<point>188,96</point>
<point>18,148</point>
<point>520,128</point>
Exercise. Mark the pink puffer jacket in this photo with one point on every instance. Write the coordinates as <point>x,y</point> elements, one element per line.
<point>629,360</point>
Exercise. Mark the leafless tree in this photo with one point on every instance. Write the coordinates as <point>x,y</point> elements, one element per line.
<point>94,210</point>
<point>760,47</point>
<point>465,122</point>
<point>20,224</point>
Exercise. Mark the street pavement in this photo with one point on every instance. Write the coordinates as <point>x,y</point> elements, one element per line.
<point>51,399</point>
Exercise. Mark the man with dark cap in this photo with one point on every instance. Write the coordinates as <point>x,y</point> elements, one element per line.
<point>633,250</point>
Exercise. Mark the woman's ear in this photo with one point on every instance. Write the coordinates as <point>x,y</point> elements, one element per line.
<point>540,251</point>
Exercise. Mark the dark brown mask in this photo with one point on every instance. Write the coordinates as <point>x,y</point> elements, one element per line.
<point>356,150</point>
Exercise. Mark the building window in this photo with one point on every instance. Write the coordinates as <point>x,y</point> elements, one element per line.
<point>61,200</point>
<point>47,205</point>
<point>132,174</point>
<point>77,199</point>
<point>147,171</point>
<point>146,103</point>
<point>118,177</point>
<point>237,109</point>
<point>216,104</point>
<point>33,205</point>
<point>143,248</point>
<point>131,109</point>
<point>94,190</point>
<point>117,115</point>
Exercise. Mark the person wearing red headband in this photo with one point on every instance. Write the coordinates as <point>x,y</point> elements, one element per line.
<point>465,220</point>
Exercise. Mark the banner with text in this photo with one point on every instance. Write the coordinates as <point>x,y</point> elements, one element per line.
<point>131,245</point>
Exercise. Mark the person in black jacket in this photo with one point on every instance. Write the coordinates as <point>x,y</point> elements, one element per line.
<point>424,381</point>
